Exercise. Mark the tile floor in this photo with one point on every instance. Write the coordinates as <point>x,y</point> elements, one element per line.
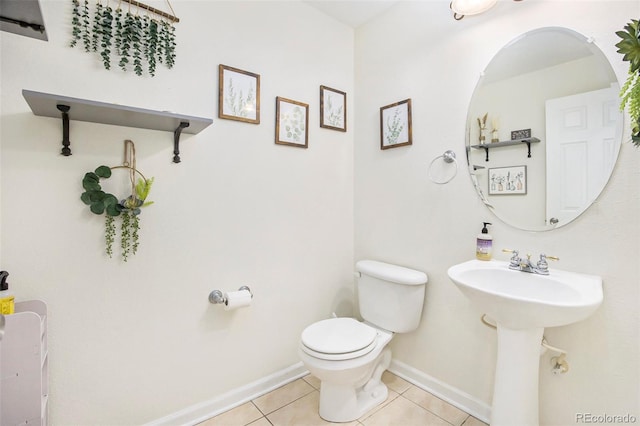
<point>296,404</point>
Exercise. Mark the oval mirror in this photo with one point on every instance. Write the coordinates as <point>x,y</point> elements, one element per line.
<point>544,129</point>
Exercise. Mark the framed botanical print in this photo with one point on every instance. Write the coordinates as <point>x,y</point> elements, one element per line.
<point>292,123</point>
<point>508,180</point>
<point>333,109</point>
<point>238,95</point>
<point>395,125</point>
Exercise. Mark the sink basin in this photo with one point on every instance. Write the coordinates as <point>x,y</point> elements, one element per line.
<point>520,300</point>
<point>523,304</point>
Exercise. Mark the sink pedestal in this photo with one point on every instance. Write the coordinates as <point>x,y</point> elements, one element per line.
<point>515,391</point>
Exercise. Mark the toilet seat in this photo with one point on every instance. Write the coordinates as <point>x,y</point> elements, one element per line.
<point>338,339</point>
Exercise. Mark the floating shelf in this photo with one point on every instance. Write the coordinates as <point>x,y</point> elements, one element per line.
<point>489,146</point>
<point>56,106</point>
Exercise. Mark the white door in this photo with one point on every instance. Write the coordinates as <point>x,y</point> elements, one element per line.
<point>581,150</point>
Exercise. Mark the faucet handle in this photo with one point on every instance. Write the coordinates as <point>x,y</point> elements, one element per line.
<point>515,259</point>
<point>543,266</point>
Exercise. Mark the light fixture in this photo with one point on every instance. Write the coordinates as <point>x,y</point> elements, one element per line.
<point>470,7</point>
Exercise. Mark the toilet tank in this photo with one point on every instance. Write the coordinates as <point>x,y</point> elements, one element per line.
<point>390,296</point>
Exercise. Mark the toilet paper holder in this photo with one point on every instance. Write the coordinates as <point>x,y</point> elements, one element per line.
<point>217,297</point>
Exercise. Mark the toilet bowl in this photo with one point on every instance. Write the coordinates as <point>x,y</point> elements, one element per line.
<point>350,356</point>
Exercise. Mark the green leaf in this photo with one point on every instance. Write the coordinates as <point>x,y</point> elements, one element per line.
<point>103,172</point>
<point>91,177</point>
<point>97,196</point>
<point>91,186</point>
<point>110,200</point>
<point>629,46</point>
<point>85,198</point>
<point>97,207</point>
<point>112,210</point>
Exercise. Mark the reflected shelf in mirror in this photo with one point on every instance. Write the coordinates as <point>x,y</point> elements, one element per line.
<point>488,146</point>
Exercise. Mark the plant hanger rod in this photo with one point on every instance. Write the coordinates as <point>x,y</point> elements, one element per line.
<point>158,12</point>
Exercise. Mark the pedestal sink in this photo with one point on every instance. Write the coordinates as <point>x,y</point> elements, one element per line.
<point>522,304</point>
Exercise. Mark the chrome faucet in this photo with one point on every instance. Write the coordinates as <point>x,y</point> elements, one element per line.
<point>525,265</point>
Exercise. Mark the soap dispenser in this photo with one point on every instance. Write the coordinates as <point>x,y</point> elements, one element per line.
<point>484,243</point>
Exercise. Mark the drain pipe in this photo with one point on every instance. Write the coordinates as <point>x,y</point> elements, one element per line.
<point>559,363</point>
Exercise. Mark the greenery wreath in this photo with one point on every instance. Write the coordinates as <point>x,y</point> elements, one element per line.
<point>129,209</point>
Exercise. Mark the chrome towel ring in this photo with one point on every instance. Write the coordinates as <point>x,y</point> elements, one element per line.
<point>449,157</point>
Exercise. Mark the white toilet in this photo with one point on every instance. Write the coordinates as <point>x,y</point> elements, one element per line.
<point>349,356</point>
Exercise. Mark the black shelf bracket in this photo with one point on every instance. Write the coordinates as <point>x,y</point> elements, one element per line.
<point>528,149</point>
<point>64,109</point>
<point>176,140</point>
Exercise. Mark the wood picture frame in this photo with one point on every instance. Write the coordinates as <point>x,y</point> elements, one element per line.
<point>238,95</point>
<point>507,180</point>
<point>292,123</point>
<point>395,125</point>
<point>333,109</point>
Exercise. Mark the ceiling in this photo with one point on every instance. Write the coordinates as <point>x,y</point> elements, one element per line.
<point>352,12</point>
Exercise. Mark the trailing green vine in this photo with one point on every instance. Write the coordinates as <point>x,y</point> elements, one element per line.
<point>76,33</point>
<point>169,44</point>
<point>136,44</point>
<point>107,35</point>
<point>129,209</point>
<point>85,30</point>
<point>139,42</point>
<point>96,28</point>
<point>127,40</point>
<point>152,43</point>
<point>629,46</point>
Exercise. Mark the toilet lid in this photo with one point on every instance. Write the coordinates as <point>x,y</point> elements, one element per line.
<point>339,336</point>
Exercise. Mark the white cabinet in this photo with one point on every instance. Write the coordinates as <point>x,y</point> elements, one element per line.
<point>24,366</point>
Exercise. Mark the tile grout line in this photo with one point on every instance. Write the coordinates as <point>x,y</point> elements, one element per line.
<point>285,405</point>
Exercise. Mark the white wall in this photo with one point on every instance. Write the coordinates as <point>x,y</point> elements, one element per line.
<point>133,342</point>
<point>418,51</point>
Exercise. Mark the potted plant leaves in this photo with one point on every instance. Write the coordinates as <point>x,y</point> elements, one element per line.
<point>629,46</point>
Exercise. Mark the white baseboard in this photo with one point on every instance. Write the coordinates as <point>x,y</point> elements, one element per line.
<point>448,393</point>
<point>200,412</point>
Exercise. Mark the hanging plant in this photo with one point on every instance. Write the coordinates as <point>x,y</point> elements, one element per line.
<point>151,43</point>
<point>119,28</point>
<point>127,41</point>
<point>86,21</point>
<point>96,28</point>
<point>169,44</point>
<point>136,44</point>
<point>134,39</point>
<point>76,24</point>
<point>129,209</point>
<point>106,32</point>
<point>630,92</point>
